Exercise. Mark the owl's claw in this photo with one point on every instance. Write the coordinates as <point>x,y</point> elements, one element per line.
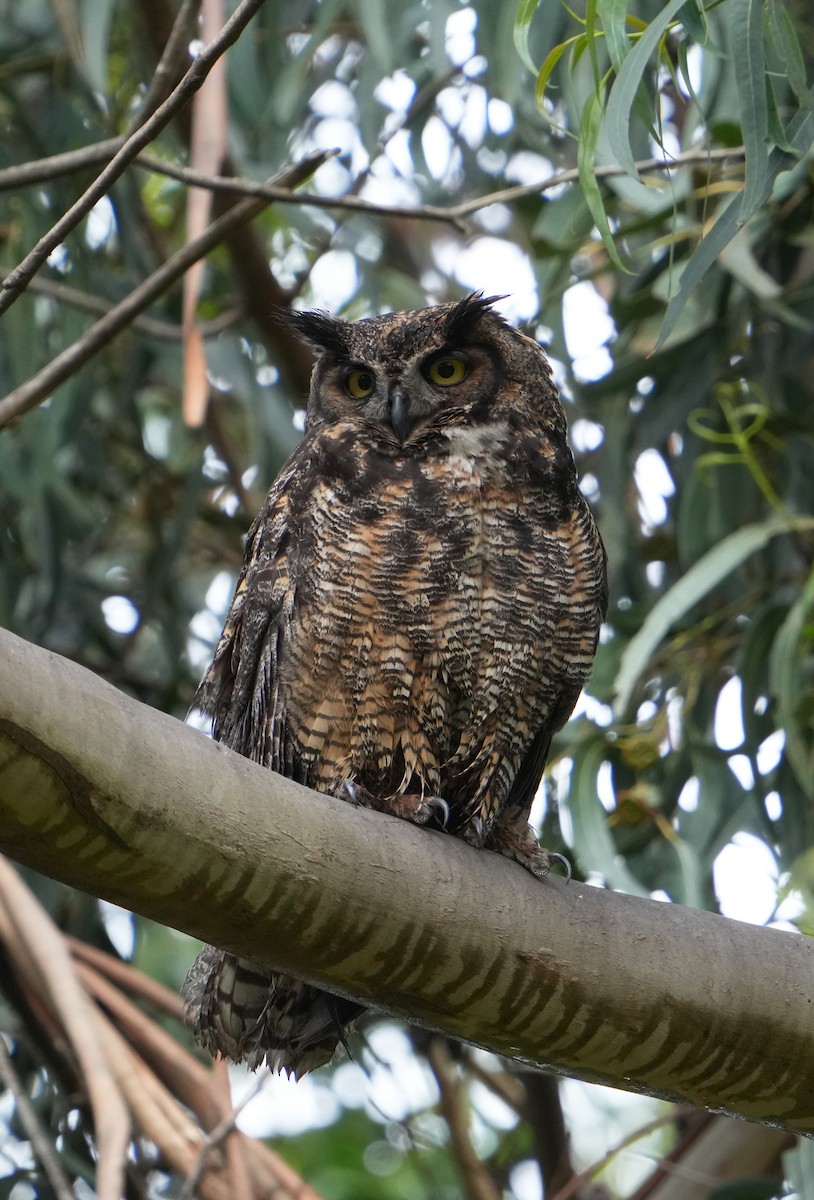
<point>347,791</point>
<point>524,848</point>
<point>352,793</point>
<point>439,809</point>
<point>419,809</point>
<point>566,864</point>
<point>473,832</point>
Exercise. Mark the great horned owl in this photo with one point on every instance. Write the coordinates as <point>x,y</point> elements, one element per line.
<point>418,609</point>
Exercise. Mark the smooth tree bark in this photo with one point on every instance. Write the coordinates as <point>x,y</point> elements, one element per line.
<point>129,804</point>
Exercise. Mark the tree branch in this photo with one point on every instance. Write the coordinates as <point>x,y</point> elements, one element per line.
<point>17,280</point>
<point>127,803</point>
<point>27,174</point>
<point>452,214</point>
<point>166,331</point>
<point>41,1146</point>
<point>40,386</point>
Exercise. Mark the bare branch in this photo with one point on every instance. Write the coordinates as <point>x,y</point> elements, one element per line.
<point>167,331</point>
<point>222,1131</point>
<point>57,165</point>
<point>645,166</point>
<point>123,975</point>
<point>453,214</point>
<point>75,160</point>
<point>40,386</point>
<point>24,919</point>
<point>173,59</point>
<point>129,804</point>
<point>476,1180</point>
<point>717,1152</point>
<point>41,1145</point>
<point>16,282</point>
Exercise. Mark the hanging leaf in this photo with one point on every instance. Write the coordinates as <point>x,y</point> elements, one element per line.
<point>750,79</point>
<point>694,585</point>
<point>522,23</point>
<point>626,85</point>
<point>586,157</point>
<point>791,678</point>
<point>592,838</point>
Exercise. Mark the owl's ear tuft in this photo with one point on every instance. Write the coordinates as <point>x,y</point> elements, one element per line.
<point>465,315</point>
<point>318,328</point>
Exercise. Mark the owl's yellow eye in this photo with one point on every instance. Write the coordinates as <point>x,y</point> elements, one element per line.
<point>360,383</point>
<point>447,370</point>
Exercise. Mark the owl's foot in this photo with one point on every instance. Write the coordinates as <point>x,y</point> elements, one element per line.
<point>472,832</point>
<point>353,793</point>
<point>419,809</point>
<point>526,850</point>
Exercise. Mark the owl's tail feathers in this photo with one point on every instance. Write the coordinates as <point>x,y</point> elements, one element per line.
<point>240,1011</point>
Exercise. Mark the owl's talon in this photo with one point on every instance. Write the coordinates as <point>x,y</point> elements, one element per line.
<point>419,809</point>
<point>473,832</point>
<point>353,793</point>
<point>565,862</point>
<point>347,791</point>
<point>439,810</point>
<point>524,848</point>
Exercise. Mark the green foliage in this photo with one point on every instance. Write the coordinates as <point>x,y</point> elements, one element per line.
<point>620,106</point>
<point>120,527</point>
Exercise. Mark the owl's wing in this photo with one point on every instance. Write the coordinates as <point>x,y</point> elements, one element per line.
<point>527,779</point>
<point>590,578</point>
<point>240,690</point>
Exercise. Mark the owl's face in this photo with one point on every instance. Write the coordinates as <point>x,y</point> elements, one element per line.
<point>399,378</point>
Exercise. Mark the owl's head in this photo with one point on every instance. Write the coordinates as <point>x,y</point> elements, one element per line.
<point>401,378</point>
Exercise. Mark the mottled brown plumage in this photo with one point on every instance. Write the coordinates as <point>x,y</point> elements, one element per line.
<point>417,612</point>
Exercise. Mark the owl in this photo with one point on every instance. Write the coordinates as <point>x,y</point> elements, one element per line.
<point>417,611</point>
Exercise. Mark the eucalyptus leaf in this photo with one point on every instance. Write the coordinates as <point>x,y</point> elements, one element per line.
<point>692,587</point>
<point>625,87</point>
<point>748,46</point>
<point>592,839</point>
<point>792,684</point>
<point>522,23</point>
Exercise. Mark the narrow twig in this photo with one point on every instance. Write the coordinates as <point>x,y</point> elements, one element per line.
<point>217,1135</point>
<point>476,1180</point>
<point>644,166</point>
<point>696,1124</point>
<point>235,1146</point>
<point>41,1145</point>
<point>30,393</point>
<point>167,331</point>
<point>574,1184</point>
<point>57,165</point>
<point>173,58</point>
<point>76,160</point>
<point>182,1075</point>
<point>17,281</point>
<point>422,100</point>
<point>451,214</point>
<point>505,1086</point>
<point>543,1113</point>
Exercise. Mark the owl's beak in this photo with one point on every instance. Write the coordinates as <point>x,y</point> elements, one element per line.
<point>399,404</point>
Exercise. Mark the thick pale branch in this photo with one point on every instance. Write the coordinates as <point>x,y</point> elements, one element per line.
<point>129,804</point>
